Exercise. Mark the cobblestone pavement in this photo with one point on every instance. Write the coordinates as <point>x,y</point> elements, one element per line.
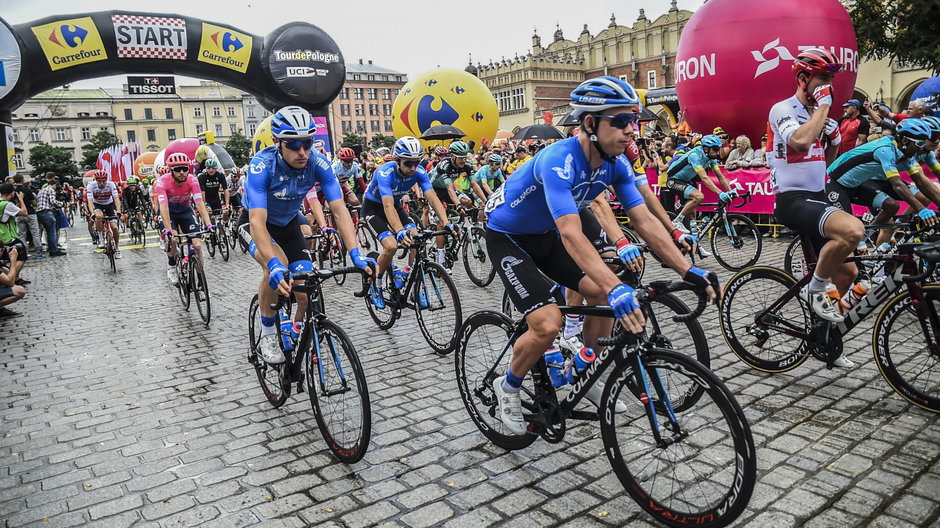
<point>120,409</point>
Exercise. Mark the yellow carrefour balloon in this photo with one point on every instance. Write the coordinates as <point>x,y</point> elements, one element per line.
<point>446,96</point>
<point>262,137</point>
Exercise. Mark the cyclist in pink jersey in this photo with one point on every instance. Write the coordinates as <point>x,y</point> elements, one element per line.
<point>175,192</point>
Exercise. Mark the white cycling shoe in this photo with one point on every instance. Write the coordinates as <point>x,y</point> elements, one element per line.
<point>594,395</point>
<point>270,351</point>
<point>822,305</point>
<point>509,408</point>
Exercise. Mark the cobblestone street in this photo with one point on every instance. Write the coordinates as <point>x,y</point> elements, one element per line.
<point>121,409</point>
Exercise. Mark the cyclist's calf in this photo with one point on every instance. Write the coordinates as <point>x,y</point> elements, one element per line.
<point>844,232</point>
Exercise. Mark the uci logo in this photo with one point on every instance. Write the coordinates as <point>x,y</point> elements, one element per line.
<point>67,35</point>
<point>229,42</point>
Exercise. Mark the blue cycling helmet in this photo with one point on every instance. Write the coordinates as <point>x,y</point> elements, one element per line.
<point>933,122</point>
<point>495,158</point>
<point>292,122</point>
<point>408,147</point>
<point>601,93</point>
<point>914,128</point>
<point>712,141</point>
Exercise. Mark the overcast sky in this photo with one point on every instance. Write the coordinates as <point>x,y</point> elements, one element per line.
<point>410,36</point>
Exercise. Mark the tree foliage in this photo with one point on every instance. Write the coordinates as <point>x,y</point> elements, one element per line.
<point>46,158</point>
<point>902,30</point>
<point>381,140</point>
<point>100,141</point>
<point>239,148</point>
<point>351,139</point>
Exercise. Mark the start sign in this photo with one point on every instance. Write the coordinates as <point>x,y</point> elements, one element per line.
<point>151,85</point>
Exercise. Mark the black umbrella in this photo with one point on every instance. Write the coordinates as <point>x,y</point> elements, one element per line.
<point>647,115</point>
<point>568,120</point>
<point>441,132</point>
<point>539,132</point>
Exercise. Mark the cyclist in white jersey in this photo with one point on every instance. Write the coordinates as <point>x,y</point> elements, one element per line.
<point>102,195</point>
<point>798,126</point>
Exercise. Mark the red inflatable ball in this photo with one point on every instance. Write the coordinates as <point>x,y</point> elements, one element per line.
<point>734,59</point>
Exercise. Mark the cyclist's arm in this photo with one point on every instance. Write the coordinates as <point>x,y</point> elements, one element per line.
<point>452,194</point>
<point>657,237</point>
<point>926,186</point>
<point>343,222</point>
<point>227,196</point>
<point>885,156</point>
<point>475,185</point>
<point>163,207</point>
<point>722,178</point>
<point>315,208</point>
<point>707,181</point>
<point>201,205</point>
<point>116,200</point>
<point>605,217</point>
<point>391,214</point>
<point>802,137</point>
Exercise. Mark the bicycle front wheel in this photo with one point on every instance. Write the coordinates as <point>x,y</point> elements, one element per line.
<point>476,260</point>
<point>736,243</point>
<point>482,355</point>
<point>338,392</point>
<point>703,470</point>
<point>223,244</point>
<point>200,289</point>
<point>794,262</point>
<point>437,307</point>
<point>765,342</point>
<point>903,352</point>
<point>182,283</point>
<point>273,378</point>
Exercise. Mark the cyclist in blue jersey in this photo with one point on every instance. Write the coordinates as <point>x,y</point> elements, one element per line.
<point>869,175</point>
<point>279,177</point>
<point>683,172</point>
<point>382,208</point>
<point>928,159</point>
<point>534,228</point>
<point>488,177</point>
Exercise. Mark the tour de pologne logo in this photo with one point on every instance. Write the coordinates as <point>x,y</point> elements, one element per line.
<point>70,42</point>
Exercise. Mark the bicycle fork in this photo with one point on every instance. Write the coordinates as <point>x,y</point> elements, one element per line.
<point>644,377</point>
<point>343,386</point>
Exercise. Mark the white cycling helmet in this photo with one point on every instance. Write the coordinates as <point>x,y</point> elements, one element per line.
<point>292,122</point>
<point>408,147</point>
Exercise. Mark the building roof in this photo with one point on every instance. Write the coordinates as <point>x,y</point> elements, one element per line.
<point>355,67</point>
<point>63,94</point>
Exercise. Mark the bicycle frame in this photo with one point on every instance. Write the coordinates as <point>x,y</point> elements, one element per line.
<point>402,295</point>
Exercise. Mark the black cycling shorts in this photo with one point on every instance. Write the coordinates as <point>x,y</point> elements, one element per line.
<point>107,209</point>
<point>184,222</point>
<point>521,261</point>
<point>805,212</point>
<point>374,213</point>
<point>443,195</point>
<point>594,232</point>
<point>682,188</point>
<point>870,194</point>
<point>288,237</point>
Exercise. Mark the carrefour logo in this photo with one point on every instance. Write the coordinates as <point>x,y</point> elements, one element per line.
<point>69,42</point>
<point>225,47</point>
<point>424,114</point>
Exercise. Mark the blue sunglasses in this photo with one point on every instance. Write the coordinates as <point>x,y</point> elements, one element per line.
<point>297,144</point>
<point>620,121</point>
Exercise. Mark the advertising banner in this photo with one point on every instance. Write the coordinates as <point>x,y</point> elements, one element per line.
<point>150,37</point>
<point>322,138</point>
<point>225,47</point>
<point>151,85</point>
<point>70,42</point>
<point>10,60</point>
<point>304,62</point>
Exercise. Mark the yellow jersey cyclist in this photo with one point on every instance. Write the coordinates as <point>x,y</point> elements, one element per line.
<point>279,178</point>
<point>869,175</point>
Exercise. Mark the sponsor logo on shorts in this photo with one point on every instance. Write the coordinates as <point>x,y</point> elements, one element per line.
<point>507,265</point>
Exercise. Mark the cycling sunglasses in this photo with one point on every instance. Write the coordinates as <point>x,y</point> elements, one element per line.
<point>620,121</point>
<point>297,144</point>
<point>919,143</point>
<point>410,164</point>
<point>180,168</point>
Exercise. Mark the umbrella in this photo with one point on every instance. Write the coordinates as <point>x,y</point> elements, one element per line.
<point>503,134</point>
<point>539,132</point>
<point>647,115</point>
<point>568,120</point>
<point>440,132</point>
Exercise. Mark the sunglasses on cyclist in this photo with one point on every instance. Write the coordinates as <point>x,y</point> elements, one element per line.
<point>297,144</point>
<point>620,121</point>
<point>180,168</point>
<point>919,143</point>
<point>410,164</point>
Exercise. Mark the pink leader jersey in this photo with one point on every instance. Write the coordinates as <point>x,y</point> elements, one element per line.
<point>177,197</point>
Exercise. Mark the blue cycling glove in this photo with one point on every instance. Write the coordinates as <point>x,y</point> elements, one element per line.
<point>627,251</point>
<point>359,261</point>
<point>621,300</point>
<point>724,197</point>
<point>276,272</point>
<point>702,278</point>
<point>327,230</point>
<point>402,233</point>
<point>925,213</point>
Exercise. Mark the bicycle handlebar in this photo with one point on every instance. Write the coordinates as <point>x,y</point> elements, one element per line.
<point>320,275</point>
<point>646,295</point>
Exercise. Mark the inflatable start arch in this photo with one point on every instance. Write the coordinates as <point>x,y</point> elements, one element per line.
<point>298,63</point>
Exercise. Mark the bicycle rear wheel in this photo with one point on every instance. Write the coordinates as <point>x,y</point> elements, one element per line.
<point>902,350</point>
<point>270,377</point>
<point>763,344</point>
<point>475,258</point>
<point>737,243</point>
<point>365,238</point>
<point>384,318</point>
<point>200,289</point>
<point>704,473</point>
<point>182,283</point>
<point>483,337</point>
<point>338,392</point>
<point>440,318</point>
<point>211,243</point>
<point>794,262</point>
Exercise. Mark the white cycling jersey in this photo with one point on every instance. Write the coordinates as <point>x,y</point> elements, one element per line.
<point>102,195</point>
<point>793,170</point>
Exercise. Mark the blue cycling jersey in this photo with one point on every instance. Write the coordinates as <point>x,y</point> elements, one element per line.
<point>685,168</point>
<point>876,160</point>
<point>484,174</point>
<point>274,185</point>
<point>929,159</point>
<point>386,181</point>
<point>342,173</point>
<point>558,181</point>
